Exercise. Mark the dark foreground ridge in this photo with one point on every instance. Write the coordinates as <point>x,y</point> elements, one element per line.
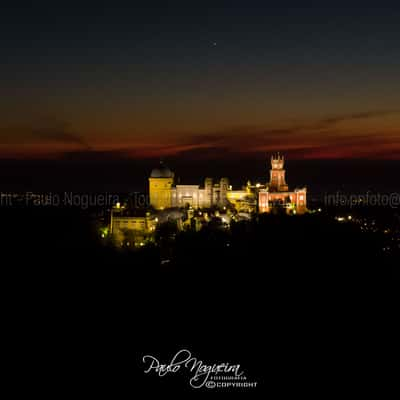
<point>299,299</point>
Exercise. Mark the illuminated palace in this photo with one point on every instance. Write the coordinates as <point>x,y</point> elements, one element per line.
<point>262,197</point>
<point>136,226</point>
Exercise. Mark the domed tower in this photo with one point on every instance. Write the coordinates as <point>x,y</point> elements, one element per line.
<point>160,185</point>
<point>277,181</point>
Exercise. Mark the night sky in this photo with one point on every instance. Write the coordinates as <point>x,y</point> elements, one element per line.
<point>195,79</point>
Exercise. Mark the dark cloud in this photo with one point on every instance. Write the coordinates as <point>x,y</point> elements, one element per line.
<point>240,138</point>
<point>95,156</point>
<point>209,138</point>
<point>351,146</point>
<point>43,131</point>
<point>321,136</point>
<point>52,130</point>
<point>355,116</point>
<point>60,136</point>
<point>307,144</point>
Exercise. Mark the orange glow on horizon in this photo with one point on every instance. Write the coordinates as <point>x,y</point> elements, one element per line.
<point>355,136</point>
